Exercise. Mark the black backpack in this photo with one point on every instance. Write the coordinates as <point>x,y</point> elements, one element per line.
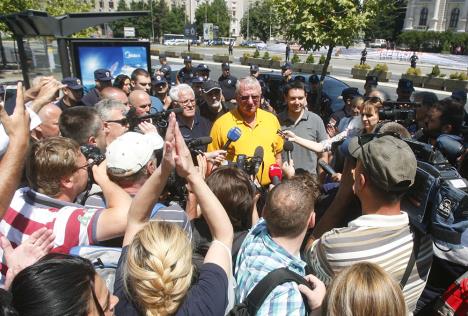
<point>257,296</point>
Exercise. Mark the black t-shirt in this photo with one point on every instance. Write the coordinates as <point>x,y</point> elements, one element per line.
<point>91,98</point>
<point>228,86</point>
<point>208,296</point>
<point>185,75</point>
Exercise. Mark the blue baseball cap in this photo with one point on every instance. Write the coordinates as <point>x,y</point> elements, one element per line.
<point>158,79</point>
<point>103,75</point>
<point>225,66</point>
<point>405,85</point>
<point>72,83</point>
<point>254,68</point>
<point>198,79</point>
<point>187,59</point>
<point>203,67</point>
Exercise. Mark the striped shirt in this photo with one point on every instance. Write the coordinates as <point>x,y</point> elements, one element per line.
<point>259,255</point>
<point>381,239</point>
<point>29,211</point>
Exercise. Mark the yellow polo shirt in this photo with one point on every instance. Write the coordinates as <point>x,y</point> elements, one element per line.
<point>263,134</point>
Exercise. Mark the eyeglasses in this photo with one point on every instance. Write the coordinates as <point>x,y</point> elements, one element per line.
<point>123,121</point>
<point>255,98</point>
<point>187,102</point>
<point>84,167</point>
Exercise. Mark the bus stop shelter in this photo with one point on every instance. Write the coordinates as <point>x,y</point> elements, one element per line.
<point>38,23</point>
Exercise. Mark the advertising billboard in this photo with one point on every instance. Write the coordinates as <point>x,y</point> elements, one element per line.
<point>208,31</point>
<point>119,56</point>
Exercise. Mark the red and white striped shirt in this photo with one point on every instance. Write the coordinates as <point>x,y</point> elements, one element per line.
<point>72,224</point>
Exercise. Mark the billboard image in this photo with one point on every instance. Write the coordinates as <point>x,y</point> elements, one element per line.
<point>118,57</point>
<point>208,31</point>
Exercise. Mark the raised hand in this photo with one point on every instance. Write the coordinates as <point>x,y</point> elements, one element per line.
<point>17,125</point>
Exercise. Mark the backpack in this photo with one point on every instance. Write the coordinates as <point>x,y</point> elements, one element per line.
<point>104,260</point>
<point>257,296</point>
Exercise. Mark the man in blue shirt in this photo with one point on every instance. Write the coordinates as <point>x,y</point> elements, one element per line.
<point>275,242</point>
<point>141,80</point>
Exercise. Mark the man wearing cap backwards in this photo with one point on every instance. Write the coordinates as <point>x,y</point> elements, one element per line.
<point>186,74</point>
<point>103,78</point>
<point>161,90</point>
<point>72,93</point>
<point>227,83</point>
<point>320,107</point>
<point>213,105</point>
<point>404,90</point>
<point>385,169</point>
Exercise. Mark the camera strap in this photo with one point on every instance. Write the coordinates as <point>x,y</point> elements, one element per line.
<point>414,254</point>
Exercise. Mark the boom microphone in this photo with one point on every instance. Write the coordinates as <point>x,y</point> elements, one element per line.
<point>257,158</point>
<point>288,148</point>
<point>197,142</point>
<point>233,135</point>
<point>326,167</point>
<point>275,173</point>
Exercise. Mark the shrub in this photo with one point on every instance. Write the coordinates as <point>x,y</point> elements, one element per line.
<point>256,54</point>
<point>459,76</point>
<point>295,59</point>
<point>442,75</point>
<point>413,71</point>
<point>435,71</point>
<point>380,68</point>
<point>266,56</point>
<point>322,59</point>
<point>363,66</point>
<point>246,55</point>
<point>310,59</point>
<point>275,58</point>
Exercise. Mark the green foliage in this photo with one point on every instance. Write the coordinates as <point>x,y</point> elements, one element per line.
<point>322,59</point>
<point>413,71</point>
<point>459,76</point>
<point>266,56</point>
<point>380,68</point>
<point>275,58</point>
<point>435,71</point>
<point>256,54</point>
<point>431,41</point>
<point>388,22</point>
<point>246,55</point>
<point>362,66</point>
<point>215,12</point>
<point>295,59</point>
<point>310,59</point>
<point>258,20</point>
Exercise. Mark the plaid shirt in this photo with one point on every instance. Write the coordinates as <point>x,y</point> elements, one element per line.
<point>259,255</point>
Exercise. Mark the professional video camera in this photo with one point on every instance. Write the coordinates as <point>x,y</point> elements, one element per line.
<point>438,201</point>
<point>92,153</point>
<point>252,164</point>
<point>159,119</point>
<point>402,112</point>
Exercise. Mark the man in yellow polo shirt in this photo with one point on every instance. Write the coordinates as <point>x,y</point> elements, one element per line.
<point>258,128</point>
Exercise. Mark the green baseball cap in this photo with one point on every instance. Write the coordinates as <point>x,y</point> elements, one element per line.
<point>389,161</point>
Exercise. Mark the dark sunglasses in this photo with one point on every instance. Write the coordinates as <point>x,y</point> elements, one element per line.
<point>122,122</point>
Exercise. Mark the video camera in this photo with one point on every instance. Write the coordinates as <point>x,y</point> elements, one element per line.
<point>252,164</point>
<point>159,119</point>
<point>401,112</point>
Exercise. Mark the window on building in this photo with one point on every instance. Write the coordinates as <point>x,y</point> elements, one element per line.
<point>111,4</point>
<point>233,13</point>
<point>454,17</point>
<point>423,17</point>
<point>101,4</point>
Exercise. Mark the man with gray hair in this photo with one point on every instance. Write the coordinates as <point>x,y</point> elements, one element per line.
<point>112,113</point>
<point>192,125</point>
<point>259,128</point>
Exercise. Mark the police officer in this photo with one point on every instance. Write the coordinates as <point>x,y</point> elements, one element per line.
<point>165,69</point>
<point>322,106</point>
<point>186,74</point>
<point>370,85</point>
<point>202,70</point>
<point>72,93</point>
<point>197,86</point>
<point>103,79</point>
<point>363,56</point>
<point>413,60</point>
<point>277,97</point>
<point>405,90</point>
<point>227,83</point>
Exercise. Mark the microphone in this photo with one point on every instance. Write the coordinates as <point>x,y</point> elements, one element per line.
<point>288,148</point>
<point>275,173</point>
<point>197,142</point>
<point>257,158</point>
<point>326,167</point>
<point>233,135</point>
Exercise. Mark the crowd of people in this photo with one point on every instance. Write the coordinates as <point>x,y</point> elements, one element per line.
<point>207,187</point>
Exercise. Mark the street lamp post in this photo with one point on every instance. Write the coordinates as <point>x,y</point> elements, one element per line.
<point>152,19</point>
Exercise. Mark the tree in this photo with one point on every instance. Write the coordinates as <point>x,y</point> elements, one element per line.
<point>260,20</point>
<point>388,21</point>
<point>217,13</point>
<point>330,23</point>
<point>175,20</point>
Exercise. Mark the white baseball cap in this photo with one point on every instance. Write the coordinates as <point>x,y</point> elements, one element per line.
<point>132,151</point>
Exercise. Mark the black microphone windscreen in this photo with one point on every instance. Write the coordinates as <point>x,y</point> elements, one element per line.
<point>259,152</point>
<point>176,110</point>
<point>201,141</point>
<point>288,146</point>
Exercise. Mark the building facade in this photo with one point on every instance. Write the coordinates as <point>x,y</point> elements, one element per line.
<point>437,15</point>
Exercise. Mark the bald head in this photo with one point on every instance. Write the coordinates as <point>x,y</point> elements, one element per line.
<point>49,127</point>
<point>141,101</point>
<point>114,93</point>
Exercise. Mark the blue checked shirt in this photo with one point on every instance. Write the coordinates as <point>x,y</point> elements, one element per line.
<point>259,255</point>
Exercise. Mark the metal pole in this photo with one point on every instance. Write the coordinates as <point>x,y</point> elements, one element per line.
<point>248,20</point>
<point>63,56</point>
<point>206,11</point>
<point>152,20</point>
<point>23,61</point>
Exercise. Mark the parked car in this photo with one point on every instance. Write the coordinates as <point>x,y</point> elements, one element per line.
<point>331,86</point>
<point>378,43</point>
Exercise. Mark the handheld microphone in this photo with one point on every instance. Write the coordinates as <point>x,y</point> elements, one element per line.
<point>288,148</point>
<point>275,173</point>
<point>257,158</point>
<point>326,167</point>
<point>197,142</point>
<point>233,135</point>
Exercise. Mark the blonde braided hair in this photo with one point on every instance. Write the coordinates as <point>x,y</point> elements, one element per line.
<point>159,269</point>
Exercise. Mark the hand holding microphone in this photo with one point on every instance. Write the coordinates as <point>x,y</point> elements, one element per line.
<point>233,135</point>
<point>275,173</point>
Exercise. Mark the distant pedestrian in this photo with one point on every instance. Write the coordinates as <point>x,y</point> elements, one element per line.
<point>231,46</point>
<point>288,51</point>
<point>413,60</point>
<point>363,56</point>
<point>188,45</point>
